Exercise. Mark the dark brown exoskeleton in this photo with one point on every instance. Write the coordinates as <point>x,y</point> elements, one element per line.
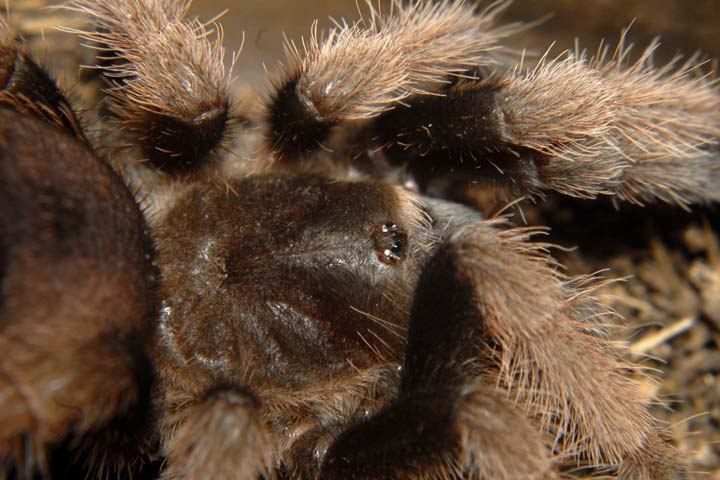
<point>268,318</point>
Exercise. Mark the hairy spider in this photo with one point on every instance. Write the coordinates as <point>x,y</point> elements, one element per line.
<point>171,309</point>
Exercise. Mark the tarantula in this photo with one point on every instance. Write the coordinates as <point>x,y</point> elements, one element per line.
<point>290,312</point>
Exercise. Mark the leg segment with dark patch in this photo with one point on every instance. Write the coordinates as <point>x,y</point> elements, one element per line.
<point>443,424</point>
<point>360,70</point>
<point>77,294</point>
<point>296,126</point>
<point>459,134</point>
<point>170,88</point>
<point>578,126</point>
<point>544,337</point>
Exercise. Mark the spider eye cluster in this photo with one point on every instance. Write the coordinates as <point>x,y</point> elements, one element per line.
<point>390,243</point>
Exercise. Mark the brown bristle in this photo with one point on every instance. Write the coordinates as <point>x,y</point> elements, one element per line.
<point>170,86</point>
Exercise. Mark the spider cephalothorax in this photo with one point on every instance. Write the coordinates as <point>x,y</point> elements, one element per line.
<point>287,312</point>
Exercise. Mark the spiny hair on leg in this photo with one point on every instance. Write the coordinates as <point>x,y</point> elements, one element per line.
<point>544,335</point>
<point>632,130</point>
<point>497,441</point>
<point>219,436</point>
<point>170,87</point>
<point>360,70</point>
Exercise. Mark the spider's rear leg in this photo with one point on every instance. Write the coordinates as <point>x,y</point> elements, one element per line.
<point>577,126</point>
<point>444,424</point>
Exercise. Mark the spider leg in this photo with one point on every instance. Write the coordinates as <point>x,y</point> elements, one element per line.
<point>545,336</point>
<point>357,71</point>
<point>169,88</point>
<point>443,423</point>
<point>26,87</point>
<point>578,126</point>
<point>441,432</point>
<point>217,436</point>
<point>75,359</point>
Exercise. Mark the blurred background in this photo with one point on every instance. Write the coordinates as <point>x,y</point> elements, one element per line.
<point>684,26</point>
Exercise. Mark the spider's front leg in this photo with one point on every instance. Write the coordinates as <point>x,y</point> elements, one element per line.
<point>77,280</point>
<point>506,376</point>
<point>444,423</point>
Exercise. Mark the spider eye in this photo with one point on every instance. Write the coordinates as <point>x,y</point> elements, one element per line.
<point>390,243</point>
